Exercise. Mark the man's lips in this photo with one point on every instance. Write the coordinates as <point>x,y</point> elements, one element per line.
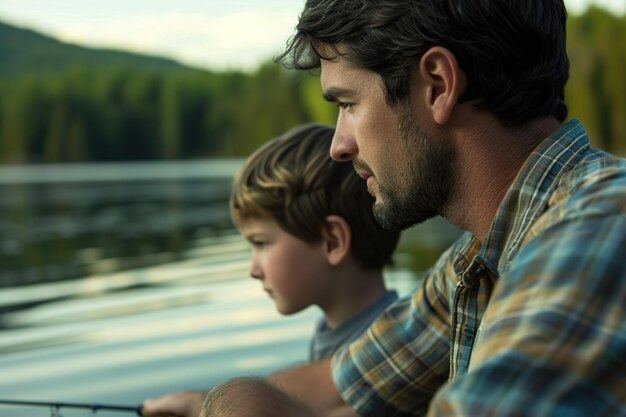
<point>362,169</point>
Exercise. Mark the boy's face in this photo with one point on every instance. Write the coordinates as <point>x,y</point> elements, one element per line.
<point>292,271</point>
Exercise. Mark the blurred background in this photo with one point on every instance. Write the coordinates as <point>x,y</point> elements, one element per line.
<point>121,125</point>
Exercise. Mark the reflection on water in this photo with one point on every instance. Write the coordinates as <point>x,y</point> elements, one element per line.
<point>137,286</point>
<point>222,258</point>
<point>190,335</point>
<point>67,221</point>
<point>141,333</point>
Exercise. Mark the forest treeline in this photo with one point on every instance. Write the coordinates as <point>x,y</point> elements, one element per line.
<point>89,112</point>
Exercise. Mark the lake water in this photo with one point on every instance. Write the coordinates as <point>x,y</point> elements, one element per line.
<point>126,281</point>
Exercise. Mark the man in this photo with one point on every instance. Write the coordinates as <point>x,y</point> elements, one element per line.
<point>456,108</point>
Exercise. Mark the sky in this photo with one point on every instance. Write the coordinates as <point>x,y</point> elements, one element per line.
<point>212,34</point>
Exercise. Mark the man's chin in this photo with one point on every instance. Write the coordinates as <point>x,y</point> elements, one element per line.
<point>392,218</point>
<point>384,215</point>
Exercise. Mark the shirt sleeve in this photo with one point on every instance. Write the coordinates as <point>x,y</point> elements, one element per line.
<point>553,340</point>
<point>403,358</point>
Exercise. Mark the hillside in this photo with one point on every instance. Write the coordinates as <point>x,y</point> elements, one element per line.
<point>26,50</point>
<point>119,106</point>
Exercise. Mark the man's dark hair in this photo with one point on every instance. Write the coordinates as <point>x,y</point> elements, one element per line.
<point>512,52</point>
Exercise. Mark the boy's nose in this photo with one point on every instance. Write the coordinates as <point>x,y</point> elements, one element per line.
<point>255,271</point>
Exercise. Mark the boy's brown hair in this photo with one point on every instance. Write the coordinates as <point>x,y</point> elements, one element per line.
<point>293,180</point>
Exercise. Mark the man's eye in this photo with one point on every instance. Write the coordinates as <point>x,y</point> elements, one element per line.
<point>344,106</point>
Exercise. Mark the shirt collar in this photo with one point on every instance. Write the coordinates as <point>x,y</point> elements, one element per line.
<point>525,200</point>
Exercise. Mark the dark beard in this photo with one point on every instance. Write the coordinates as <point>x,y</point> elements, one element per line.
<point>429,179</point>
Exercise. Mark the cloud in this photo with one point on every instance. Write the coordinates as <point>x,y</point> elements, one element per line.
<point>235,40</point>
<point>216,34</point>
<point>579,6</point>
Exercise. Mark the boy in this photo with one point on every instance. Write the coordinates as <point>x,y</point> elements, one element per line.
<point>314,239</point>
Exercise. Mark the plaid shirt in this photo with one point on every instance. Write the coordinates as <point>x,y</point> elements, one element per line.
<point>531,323</point>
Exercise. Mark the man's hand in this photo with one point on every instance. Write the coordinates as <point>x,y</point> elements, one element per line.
<point>178,404</point>
<point>313,385</point>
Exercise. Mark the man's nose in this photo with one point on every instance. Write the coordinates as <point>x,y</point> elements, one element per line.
<point>343,147</point>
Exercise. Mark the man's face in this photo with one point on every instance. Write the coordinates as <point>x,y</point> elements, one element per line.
<point>408,172</point>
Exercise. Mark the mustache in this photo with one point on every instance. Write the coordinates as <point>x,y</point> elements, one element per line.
<point>360,166</point>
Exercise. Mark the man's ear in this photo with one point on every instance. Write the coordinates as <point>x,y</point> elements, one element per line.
<point>337,238</point>
<point>443,82</point>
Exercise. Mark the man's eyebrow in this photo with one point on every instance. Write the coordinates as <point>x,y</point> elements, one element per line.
<point>333,94</point>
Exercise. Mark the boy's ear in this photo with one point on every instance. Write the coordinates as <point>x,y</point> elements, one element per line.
<point>337,238</point>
